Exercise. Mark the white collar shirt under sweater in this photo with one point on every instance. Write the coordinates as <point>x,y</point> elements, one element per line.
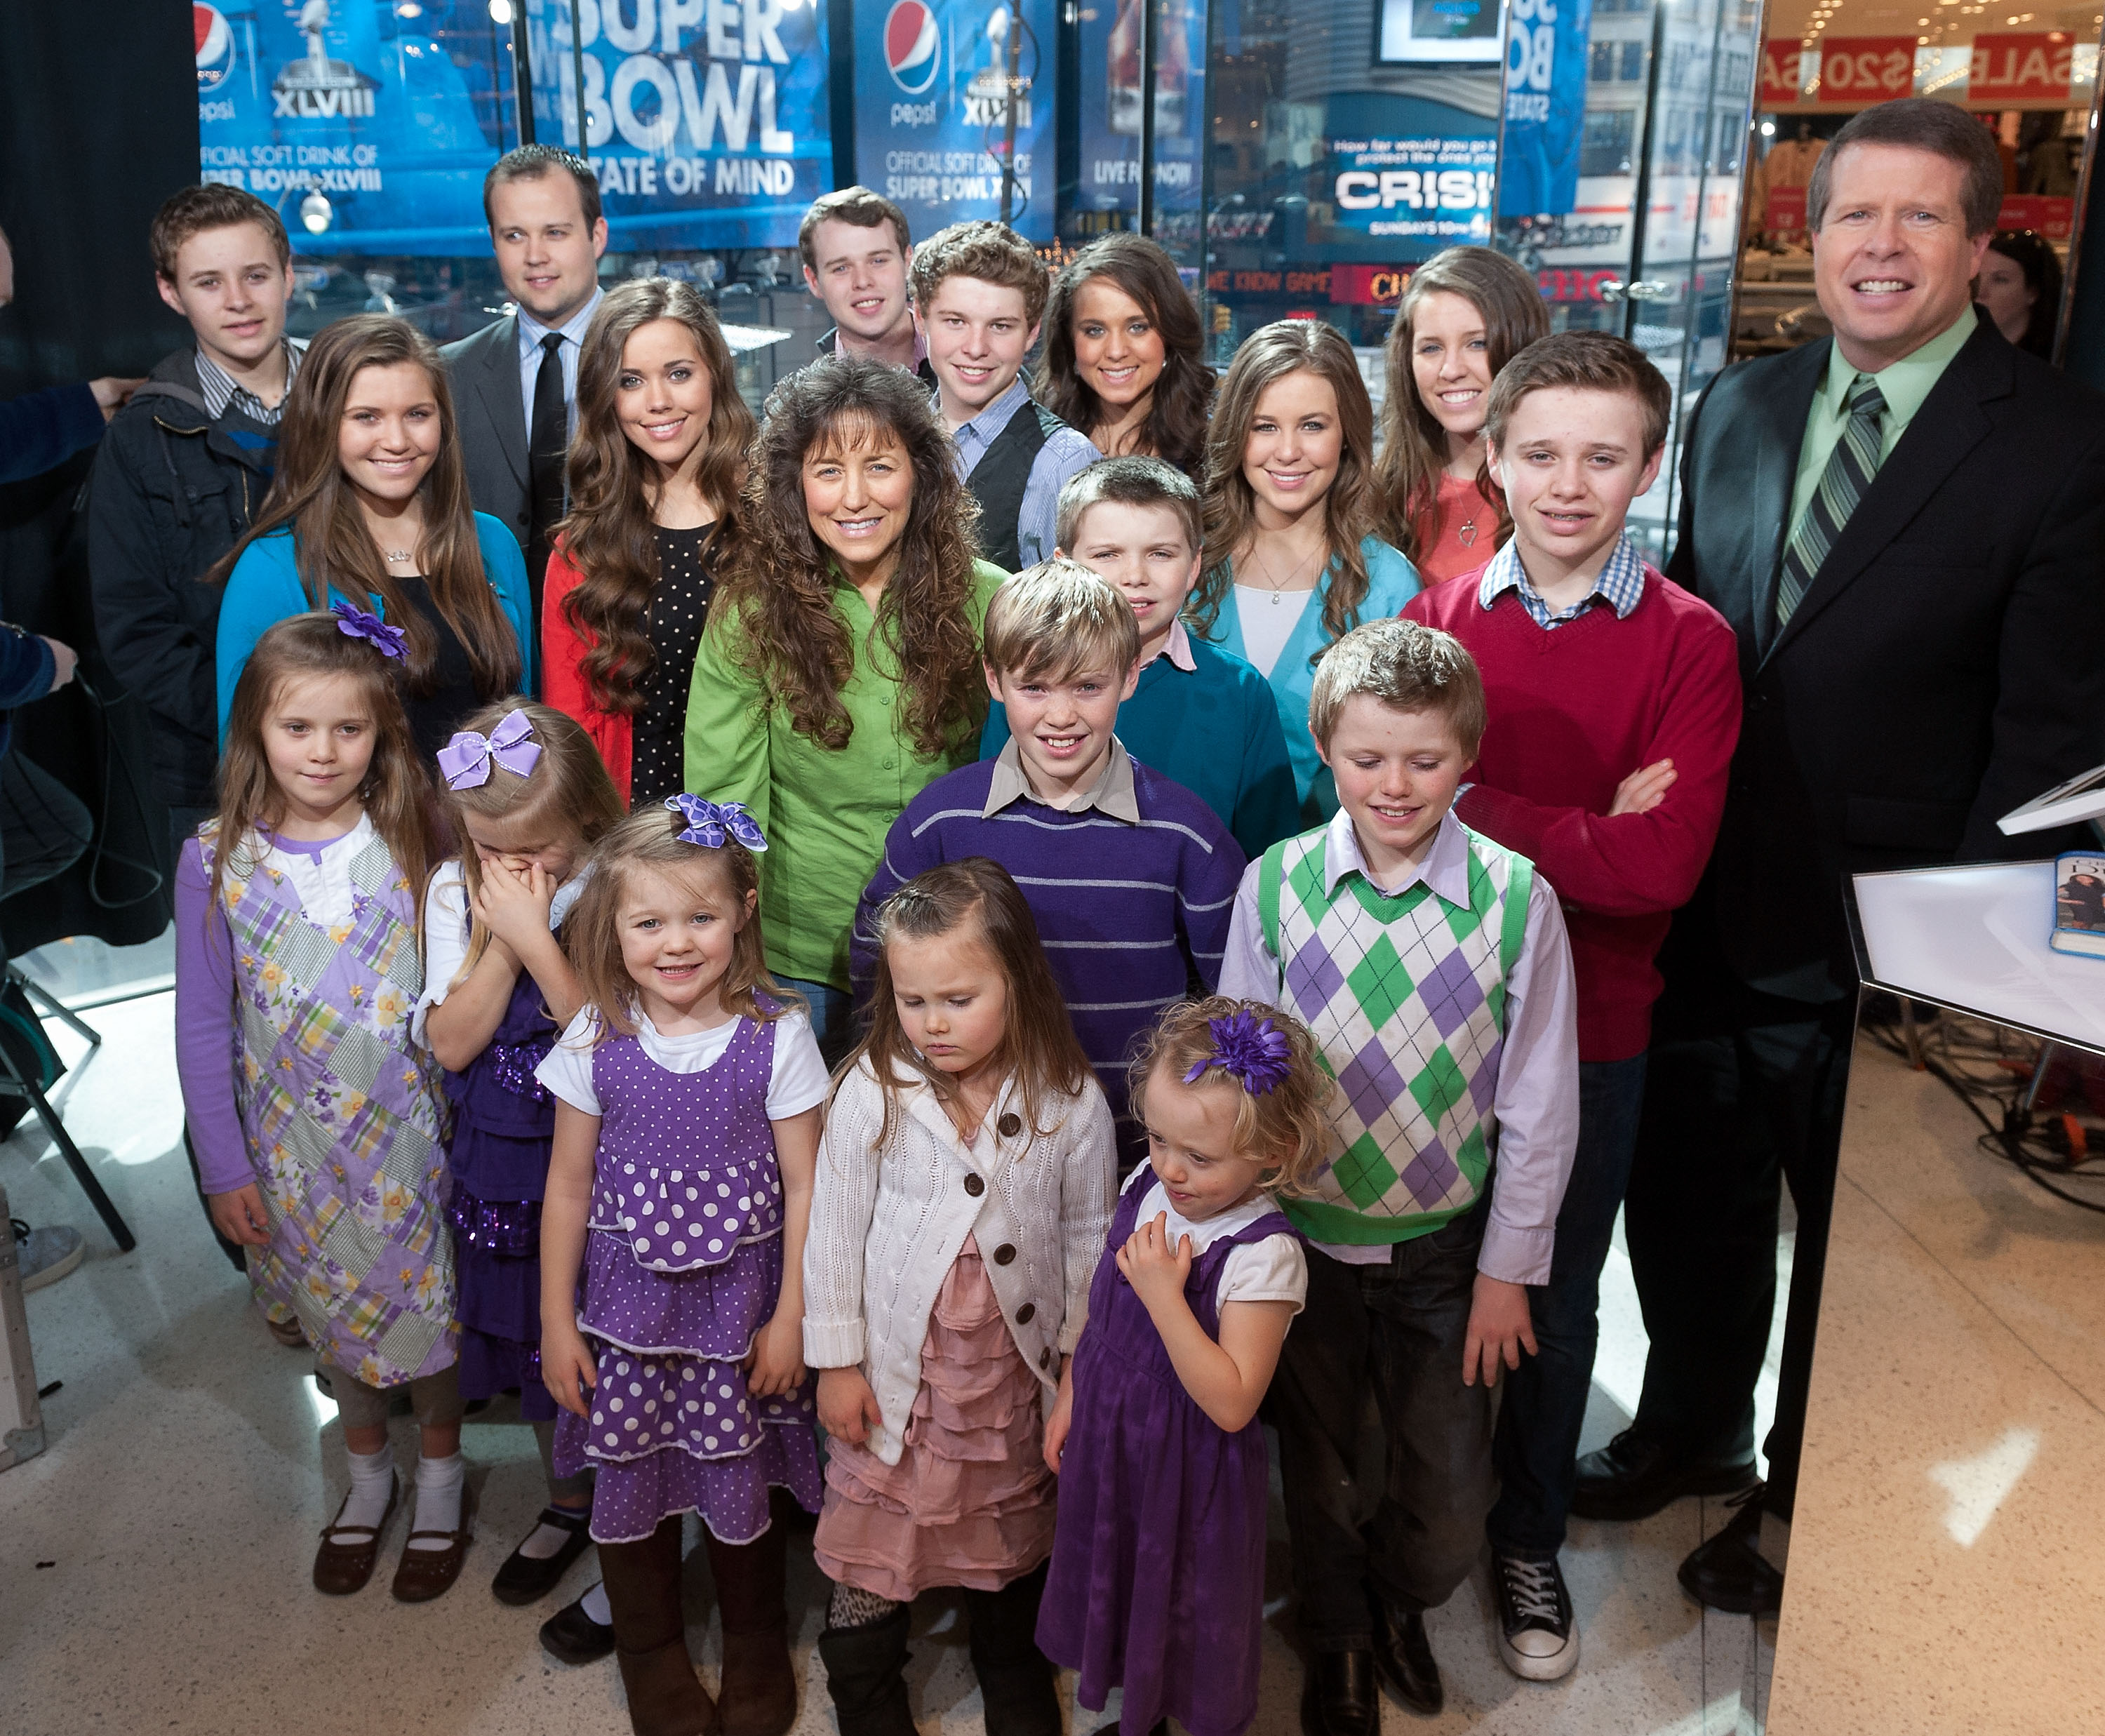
<point>886,1229</point>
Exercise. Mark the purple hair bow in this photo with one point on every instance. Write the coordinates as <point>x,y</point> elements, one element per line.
<point>1251,1049</point>
<point>356,623</point>
<point>465,760</point>
<point>709,823</point>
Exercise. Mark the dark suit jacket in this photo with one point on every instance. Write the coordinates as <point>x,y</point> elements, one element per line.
<point>485,370</point>
<point>1946,663</point>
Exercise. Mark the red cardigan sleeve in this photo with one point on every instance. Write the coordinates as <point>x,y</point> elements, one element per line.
<point>563,684</point>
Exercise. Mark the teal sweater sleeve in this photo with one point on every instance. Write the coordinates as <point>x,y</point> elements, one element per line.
<point>263,588</point>
<point>506,569</point>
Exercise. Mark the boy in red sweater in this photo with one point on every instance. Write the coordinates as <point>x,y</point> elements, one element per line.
<point>1614,697</point>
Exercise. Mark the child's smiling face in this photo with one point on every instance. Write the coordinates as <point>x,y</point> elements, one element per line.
<point>1192,1145</point>
<point>677,933</point>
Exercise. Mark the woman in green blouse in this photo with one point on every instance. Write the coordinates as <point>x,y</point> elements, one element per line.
<point>839,672</point>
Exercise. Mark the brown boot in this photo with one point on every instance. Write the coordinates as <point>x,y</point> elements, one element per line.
<point>757,1696</point>
<point>665,1696</point>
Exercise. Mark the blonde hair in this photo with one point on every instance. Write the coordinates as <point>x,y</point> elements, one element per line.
<point>1403,663</point>
<point>1058,619</point>
<point>1284,1129</point>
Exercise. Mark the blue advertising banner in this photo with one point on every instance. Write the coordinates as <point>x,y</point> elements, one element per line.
<point>367,125</point>
<point>931,100</point>
<point>1111,101</point>
<point>706,119</point>
<point>1545,106</point>
<point>1421,176</point>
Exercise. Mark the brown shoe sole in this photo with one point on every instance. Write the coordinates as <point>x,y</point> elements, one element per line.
<point>423,1574</point>
<point>342,1569</point>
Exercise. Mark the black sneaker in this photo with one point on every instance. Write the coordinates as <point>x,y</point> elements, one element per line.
<point>1538,1636</point>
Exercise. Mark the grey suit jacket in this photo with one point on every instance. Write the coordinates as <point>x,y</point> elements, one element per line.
<point>485,372</point>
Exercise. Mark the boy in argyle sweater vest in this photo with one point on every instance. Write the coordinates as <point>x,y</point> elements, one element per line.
<point>1430,965</point>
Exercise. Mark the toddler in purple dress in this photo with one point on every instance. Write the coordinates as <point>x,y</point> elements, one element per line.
<point>529,796</point>
<point>687,1113</point>
<point>1157,1580</point>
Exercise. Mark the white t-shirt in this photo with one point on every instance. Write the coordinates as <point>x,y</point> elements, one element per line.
<point>446,930</point>
<point>798,1083</point>
<point>322,877</point>
<point>1268,619</point>
<point>1272,1270</point>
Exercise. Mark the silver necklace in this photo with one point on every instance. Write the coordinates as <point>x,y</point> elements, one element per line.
<point>396,557</point>
<point>1278,585</point>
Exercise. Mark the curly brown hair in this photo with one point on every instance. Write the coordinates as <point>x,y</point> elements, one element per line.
<point>779,587</point>
<point>608,536</point>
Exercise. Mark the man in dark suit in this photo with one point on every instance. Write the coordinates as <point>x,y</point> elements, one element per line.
<point>516,381</point>
<point>1904,526</point>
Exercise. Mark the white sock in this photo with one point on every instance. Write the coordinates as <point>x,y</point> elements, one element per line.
<point>371,1480</point>
<point>439,1483</point>
<point>544,1539</point>
<point>596,1606</point>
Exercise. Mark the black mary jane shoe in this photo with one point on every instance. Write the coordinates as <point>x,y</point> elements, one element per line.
<point>526,1579</point>
<point>1403,1659</point>
<point>570,1636</point>
<point>1338,1697</point>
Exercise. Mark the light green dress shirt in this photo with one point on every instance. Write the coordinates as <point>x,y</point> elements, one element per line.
<point>1905,384</point>
<point>825,812</point>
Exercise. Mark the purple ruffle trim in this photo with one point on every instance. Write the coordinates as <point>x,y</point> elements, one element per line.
<point>681,1220</point>
<point>509,1228</point>
<point>511,1065</point>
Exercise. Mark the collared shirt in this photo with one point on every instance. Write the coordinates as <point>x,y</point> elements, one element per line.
<point>531,332</point>
<point>1178,648</point>
<point>222,391</point>
<point>1904,385</point>
<point>1111,792</point>
<point>1065,451</point>
<point>831,345</point>
<point>1620,584</point>
<point>1536,1101</point>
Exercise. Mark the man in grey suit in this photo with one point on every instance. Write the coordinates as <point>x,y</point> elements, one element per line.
<point>516,381</point>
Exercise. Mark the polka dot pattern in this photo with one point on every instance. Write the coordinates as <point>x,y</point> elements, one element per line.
<point>677,1220</point>
<point>679,607</point>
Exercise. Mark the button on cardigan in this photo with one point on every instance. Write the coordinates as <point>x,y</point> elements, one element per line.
<point>886,1230</point>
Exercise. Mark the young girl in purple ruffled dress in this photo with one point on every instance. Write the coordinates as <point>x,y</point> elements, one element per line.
<point>688,1097</point>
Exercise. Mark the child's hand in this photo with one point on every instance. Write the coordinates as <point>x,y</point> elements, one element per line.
<point>566,1361</point>
<point>513,903</point>
<point>1499,1325</point>
<point>775,1363</point>
<point>1157,1271</point>
<point>239,1216</point>
<point>1057,1424</point>
<point>1644,789</point>
<point>847,1408</point>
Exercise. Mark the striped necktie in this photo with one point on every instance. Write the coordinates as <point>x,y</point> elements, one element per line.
<point>1850,467</point>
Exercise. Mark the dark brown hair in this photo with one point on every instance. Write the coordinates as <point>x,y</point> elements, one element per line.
<point>777,592</point>
<point>396,793</point>
<point>650,839</point>
<point>1582,361</point>
<point>1131,481</point>
<point>608,536</point>
<point>1414,444</point>
<point>1269,355</point>
<point>1921,123</point>
<point>1175,428</point>
<point>992,252</point>
<point>1406,665</point>
<point>853,205</point>
<point>2033,254</point>
<point>1038,1045</point>
<point>310,495</point>
<point>191,211</point>
<point>530,162</point>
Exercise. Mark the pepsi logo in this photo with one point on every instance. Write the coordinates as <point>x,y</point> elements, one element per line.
<point>215,45</point>
<point>913,45</point>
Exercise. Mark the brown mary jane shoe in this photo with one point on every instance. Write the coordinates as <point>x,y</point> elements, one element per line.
<point>423,1574</point>
<point>342,1567</point>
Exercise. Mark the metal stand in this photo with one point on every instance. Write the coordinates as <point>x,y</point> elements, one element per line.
<point>15,1084</point>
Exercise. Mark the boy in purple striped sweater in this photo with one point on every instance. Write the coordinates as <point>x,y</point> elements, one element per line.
<point>1132,878</point>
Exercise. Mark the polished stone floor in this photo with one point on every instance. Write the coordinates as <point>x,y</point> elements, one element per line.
<point>153,1561</point>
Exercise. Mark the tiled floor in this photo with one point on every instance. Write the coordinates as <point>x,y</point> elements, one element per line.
<point>153,1560</point>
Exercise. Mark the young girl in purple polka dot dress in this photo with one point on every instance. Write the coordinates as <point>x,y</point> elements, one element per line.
<point>688,1101</point>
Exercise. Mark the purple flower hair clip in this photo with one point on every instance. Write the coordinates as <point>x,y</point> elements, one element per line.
<point>1253,1050</point>
<point>356,623</point>
<point>465,760</point>
<point>709,823</point>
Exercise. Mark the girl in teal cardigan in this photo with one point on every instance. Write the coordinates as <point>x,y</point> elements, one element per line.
<point>1290,562</point>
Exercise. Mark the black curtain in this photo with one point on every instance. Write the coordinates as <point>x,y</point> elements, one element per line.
<point>99,126</point>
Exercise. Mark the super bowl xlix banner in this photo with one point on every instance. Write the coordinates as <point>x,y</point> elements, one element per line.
<point>933,85</point>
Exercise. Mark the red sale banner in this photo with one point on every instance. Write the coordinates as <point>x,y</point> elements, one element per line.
<point>2032,67</point>
<point>1782,80</point>
<point>1856,71</point>
<point>2054,218</point>
<point>1787,210</point>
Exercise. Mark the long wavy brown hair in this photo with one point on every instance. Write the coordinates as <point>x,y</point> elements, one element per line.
<point>1175,426</point>
<point>779,587</point>
<point>1039,1048</point>
<point>1269,354</point>
<point>1414,445</point>
<point>396,793</point>
<point>332,545</point>
<point>613,487</point>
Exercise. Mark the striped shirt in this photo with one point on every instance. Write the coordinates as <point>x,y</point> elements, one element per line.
<point>1621,584</point>
<point>222,390</point>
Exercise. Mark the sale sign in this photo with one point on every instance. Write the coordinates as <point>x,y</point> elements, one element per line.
<point>2054,218</point>
<point>1856,71</point>
<point>2029,67</point>
<point>1783,75</point>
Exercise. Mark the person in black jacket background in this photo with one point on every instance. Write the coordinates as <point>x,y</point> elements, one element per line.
<point>43,429</point>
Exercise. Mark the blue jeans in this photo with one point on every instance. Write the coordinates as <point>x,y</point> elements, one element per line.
<point>833,1017</point>
<point>1536,1445</point>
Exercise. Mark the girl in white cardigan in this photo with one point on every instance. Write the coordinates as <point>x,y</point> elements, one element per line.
<point>964,1189</point>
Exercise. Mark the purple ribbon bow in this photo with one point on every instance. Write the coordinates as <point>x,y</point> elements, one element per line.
<point>464,762</point>
<point>1251,1049</point>
<point>709,823</point>
<point>356,623</point>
